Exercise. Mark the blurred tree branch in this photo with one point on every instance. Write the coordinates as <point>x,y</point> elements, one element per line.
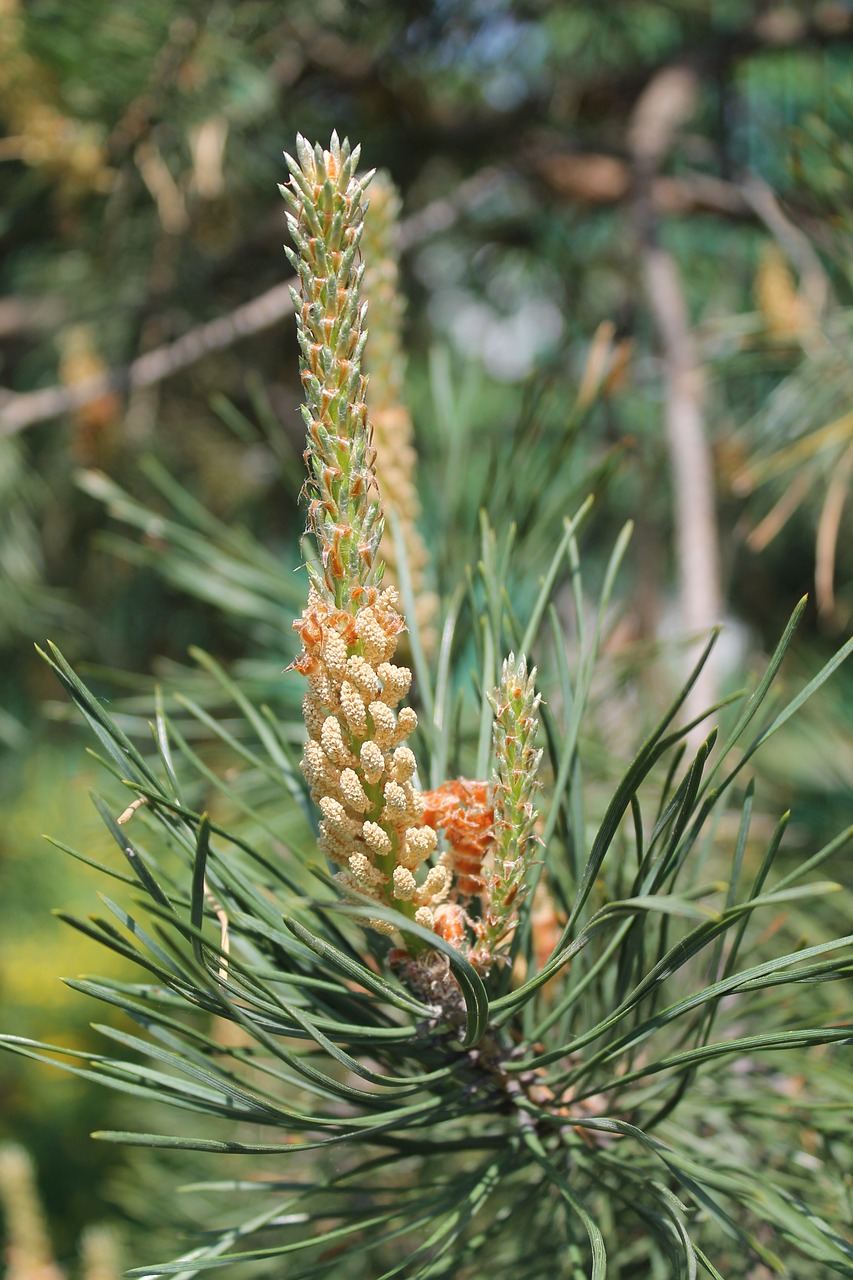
<point>596,178</point>
<point>590,179</point>
<point>666,104</point>
<point>263,312</point>
<point>814,282</point>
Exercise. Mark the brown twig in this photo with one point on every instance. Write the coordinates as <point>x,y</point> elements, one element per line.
<point>131,810</point>
<point>798,249</point>
<point>780,513</point>
<point>827,533</point>
<point>224,935</point>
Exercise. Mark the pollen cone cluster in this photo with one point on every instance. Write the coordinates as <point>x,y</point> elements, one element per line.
<point>376,825</point>
<point>359,769</point>
<point>356,763</point>
<point>490,829</point>
<point>396,459</point>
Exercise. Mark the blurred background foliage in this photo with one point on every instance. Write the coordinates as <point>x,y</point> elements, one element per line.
<point>140,150</point>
